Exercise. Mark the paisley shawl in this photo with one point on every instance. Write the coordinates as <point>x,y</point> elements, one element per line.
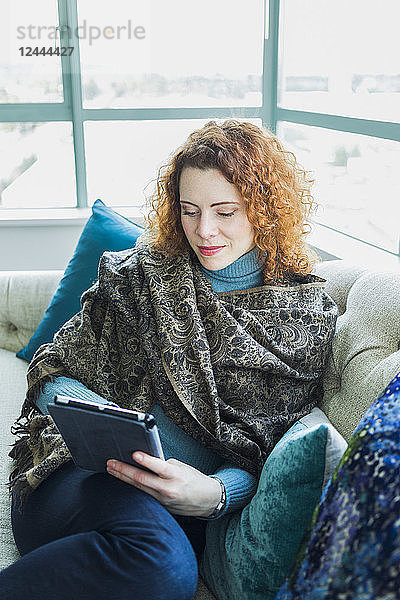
<point>234,369</point>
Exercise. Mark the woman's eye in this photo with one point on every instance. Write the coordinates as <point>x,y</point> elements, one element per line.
<point>193,214</point>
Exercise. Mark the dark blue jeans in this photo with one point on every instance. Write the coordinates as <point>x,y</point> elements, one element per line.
<point>91,536</point>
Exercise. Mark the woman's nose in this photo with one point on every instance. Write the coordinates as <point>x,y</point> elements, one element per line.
<point>207,227</point>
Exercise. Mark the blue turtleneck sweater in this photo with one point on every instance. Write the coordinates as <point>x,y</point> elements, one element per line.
<point>240,486</point>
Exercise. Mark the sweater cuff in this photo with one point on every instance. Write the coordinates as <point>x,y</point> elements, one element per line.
<point>68,387</point>
<point>240,487</point>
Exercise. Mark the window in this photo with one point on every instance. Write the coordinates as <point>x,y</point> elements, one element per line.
<point>186,54</point>
<point>338,109</point>
<point>341,58</point>
<point>28,79</point>
<point>37,163</point>
<point>356,180</point>
<point>36,153</point>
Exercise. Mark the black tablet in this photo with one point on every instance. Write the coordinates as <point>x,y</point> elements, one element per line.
<point>94,433</point>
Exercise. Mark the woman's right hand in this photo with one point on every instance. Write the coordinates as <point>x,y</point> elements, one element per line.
<point>181,488</point>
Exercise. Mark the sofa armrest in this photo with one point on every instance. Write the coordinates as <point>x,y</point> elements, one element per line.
<point>24,297</point>
<point>366,347</point>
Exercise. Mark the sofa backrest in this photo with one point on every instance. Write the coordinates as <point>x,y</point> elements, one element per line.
<point>24,297</point>
<point>365,351</point>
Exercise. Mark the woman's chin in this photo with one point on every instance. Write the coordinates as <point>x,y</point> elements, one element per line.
<point>212,263</point>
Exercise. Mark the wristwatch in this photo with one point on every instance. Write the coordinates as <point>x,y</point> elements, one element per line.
<point>221,504</point>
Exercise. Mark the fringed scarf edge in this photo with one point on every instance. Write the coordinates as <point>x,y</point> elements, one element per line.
<point>21,452</point>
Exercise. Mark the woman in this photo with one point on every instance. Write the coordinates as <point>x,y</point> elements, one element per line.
<point>215,325</point>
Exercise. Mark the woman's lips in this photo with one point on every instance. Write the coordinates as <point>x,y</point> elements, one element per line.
<point>210,250</point>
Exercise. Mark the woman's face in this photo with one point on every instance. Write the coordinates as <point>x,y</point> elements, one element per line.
<point>213,217</point>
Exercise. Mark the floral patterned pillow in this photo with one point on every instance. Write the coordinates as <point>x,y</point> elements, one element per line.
<point>353,551</point>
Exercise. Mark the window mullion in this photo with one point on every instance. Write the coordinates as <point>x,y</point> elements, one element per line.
<point>270,63</point>
<point>68,15</point>
<point>380,129</point>
<point>32,112</point>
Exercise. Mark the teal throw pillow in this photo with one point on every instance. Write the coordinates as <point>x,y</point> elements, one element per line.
<point>249,554</point>
<point>353,549</point>
<point>105,230</point>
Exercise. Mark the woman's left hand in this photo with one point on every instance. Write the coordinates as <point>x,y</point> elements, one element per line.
<point>182,489</point>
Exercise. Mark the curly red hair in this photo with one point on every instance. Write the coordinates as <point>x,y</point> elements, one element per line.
<point>275,189</point>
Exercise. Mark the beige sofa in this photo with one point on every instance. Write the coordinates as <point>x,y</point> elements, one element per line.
<point>365,354</point>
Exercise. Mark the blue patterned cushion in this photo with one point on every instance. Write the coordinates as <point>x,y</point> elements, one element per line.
<point>249,554</point>
<point>105,230</point>
<point>353,551</point>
